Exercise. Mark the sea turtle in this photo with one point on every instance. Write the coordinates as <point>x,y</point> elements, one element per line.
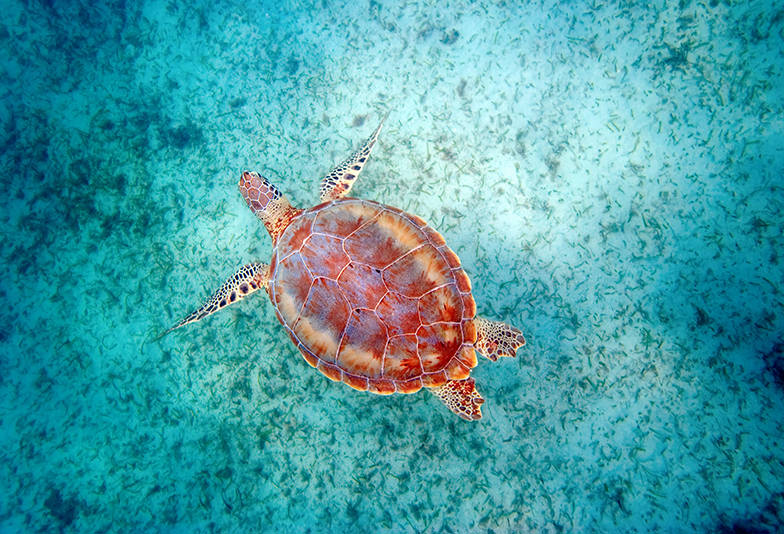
<point>369,294</point>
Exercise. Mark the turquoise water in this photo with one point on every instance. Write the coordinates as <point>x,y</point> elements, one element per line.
<point>610,176</point>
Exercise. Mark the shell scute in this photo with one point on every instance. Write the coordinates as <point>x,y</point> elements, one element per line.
<point>320,264</point>
<point>463,283</point>
<point>293,240</point>
<point>400,313</point>
<point>418,272</point>
<point>433,380</point>
<point>383,241</point>
<point>340,223</point>
<point>309,357</point>
<point>457,370</point>
<point>332,372</point>
<point>469,333</point>
<point>325,312</point>
<point>450,257</point>
<point>444,304</point>
<point>434,237</point>
<point>468,356</point>
<point>362,347</point>
<point>437,344</point>
<point>359,383</point>
<point>291,280</point>
<point>409,386</point>
<point>382,386</point>
<point>469,306</point>
<point>363,286</point>
<point>401,360</point>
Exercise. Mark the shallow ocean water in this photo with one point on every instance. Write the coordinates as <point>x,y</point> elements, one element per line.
<point>610,176</point>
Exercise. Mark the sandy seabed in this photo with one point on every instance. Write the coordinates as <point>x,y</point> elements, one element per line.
<point>610,176</point>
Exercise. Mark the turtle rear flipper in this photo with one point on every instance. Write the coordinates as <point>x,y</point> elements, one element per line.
<point>494,339</point>
<point>461,397</point>
<point>248,279</point>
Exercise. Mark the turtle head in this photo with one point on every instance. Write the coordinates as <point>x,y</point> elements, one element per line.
<point>268,203</point>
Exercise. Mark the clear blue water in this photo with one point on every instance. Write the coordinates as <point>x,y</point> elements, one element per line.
<point>611,177</point>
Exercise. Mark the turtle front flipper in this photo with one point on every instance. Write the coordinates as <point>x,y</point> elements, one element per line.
<point>339,181</point>
<point>248,279</point>
<point>494,339</point>
<point>461,397</point>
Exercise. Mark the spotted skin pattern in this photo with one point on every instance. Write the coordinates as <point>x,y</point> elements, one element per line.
<point>267,202</point>
<point>369,294</point>
<point>461,397</point>
<point>495,339</point>
<point>248,279</point>
<point>341,179</point>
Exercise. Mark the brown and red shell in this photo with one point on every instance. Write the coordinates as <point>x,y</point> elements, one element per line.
<point>372,296</point>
